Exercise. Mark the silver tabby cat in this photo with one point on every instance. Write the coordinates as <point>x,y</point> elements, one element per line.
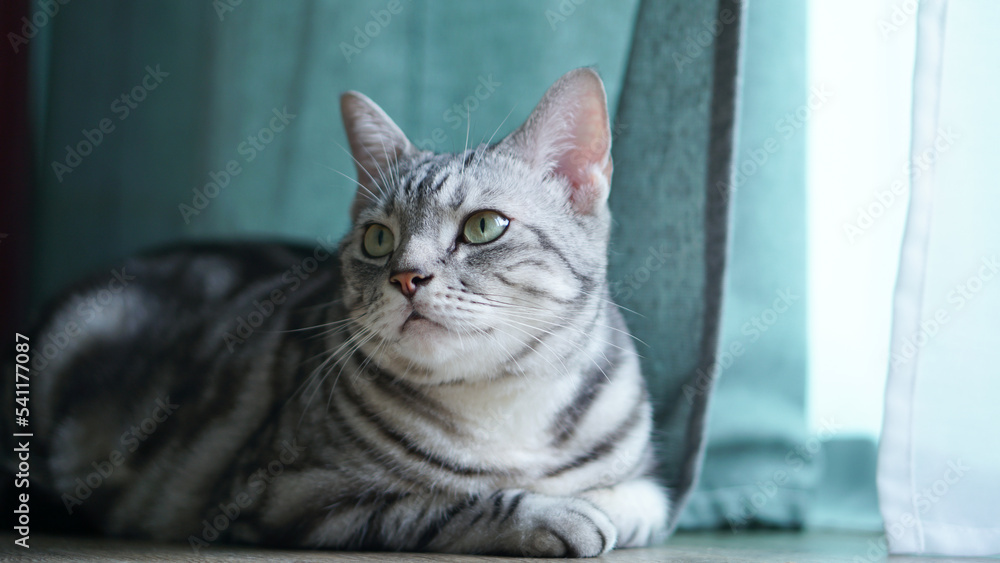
<point>452,377</point>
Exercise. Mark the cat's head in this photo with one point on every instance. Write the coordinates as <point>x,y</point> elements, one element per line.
<point>489,261</point>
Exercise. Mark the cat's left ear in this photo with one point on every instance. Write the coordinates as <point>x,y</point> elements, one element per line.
<point>569,134</point>
<point>377,145</point>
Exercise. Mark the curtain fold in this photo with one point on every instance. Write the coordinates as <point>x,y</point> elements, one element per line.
<point>676,120</point>
<point>939,457</point>
<point>760,467</point>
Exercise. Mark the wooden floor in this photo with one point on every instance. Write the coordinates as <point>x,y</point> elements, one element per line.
<point>749,547</point>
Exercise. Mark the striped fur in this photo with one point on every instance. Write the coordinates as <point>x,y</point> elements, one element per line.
<point>500,409</point>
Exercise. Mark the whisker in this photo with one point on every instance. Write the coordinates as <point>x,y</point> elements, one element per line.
<point>343,365</point>
<point>493,302</point>
<point>497,130</point>
<point>507,352</point>
<point>569,327</point>
<point>320,306</point>
<point>362,167</point>
<point>368,193</point>
<point>565,370</point>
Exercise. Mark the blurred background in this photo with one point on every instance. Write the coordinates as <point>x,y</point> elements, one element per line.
<point>137,124</point>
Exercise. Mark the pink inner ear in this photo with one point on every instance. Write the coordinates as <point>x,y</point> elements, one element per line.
<point>585,159</point>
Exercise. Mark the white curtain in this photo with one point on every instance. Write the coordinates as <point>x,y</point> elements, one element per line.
<point>939,457</point>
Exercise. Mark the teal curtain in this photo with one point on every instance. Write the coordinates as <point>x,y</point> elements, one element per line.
<point>764,466</point>
<point>759,403</point>
<point>221,74</point>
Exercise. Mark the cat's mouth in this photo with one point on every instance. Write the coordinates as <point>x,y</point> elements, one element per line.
<point>417,319</point>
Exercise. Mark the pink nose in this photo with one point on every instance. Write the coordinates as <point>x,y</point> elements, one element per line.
<point>409,280</point>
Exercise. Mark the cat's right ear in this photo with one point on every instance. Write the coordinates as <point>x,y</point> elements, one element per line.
<point>568,135</point>
<point>377,145</point>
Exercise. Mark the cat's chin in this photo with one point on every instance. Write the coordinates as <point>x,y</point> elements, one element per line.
<point>429,351</point>
<point>424,339</point>
<point>438,354</point>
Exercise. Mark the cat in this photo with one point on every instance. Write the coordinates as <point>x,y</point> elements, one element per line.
<point>451,377</point>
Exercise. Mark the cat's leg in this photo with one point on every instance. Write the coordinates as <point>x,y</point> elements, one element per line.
<point>509,522</point>
<point>638,508</point>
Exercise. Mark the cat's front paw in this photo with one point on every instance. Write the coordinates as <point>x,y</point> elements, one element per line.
<point>519,523</point>
<point>639,509</point>
<point>566,527</point>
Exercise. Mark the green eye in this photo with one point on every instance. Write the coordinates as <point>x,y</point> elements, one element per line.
<point>378,241</point>
<point>484,226</point>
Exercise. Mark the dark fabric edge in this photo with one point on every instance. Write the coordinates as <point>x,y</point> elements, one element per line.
<point>726,75</point>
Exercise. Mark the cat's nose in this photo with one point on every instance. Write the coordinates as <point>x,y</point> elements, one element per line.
<point>409,280</point>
